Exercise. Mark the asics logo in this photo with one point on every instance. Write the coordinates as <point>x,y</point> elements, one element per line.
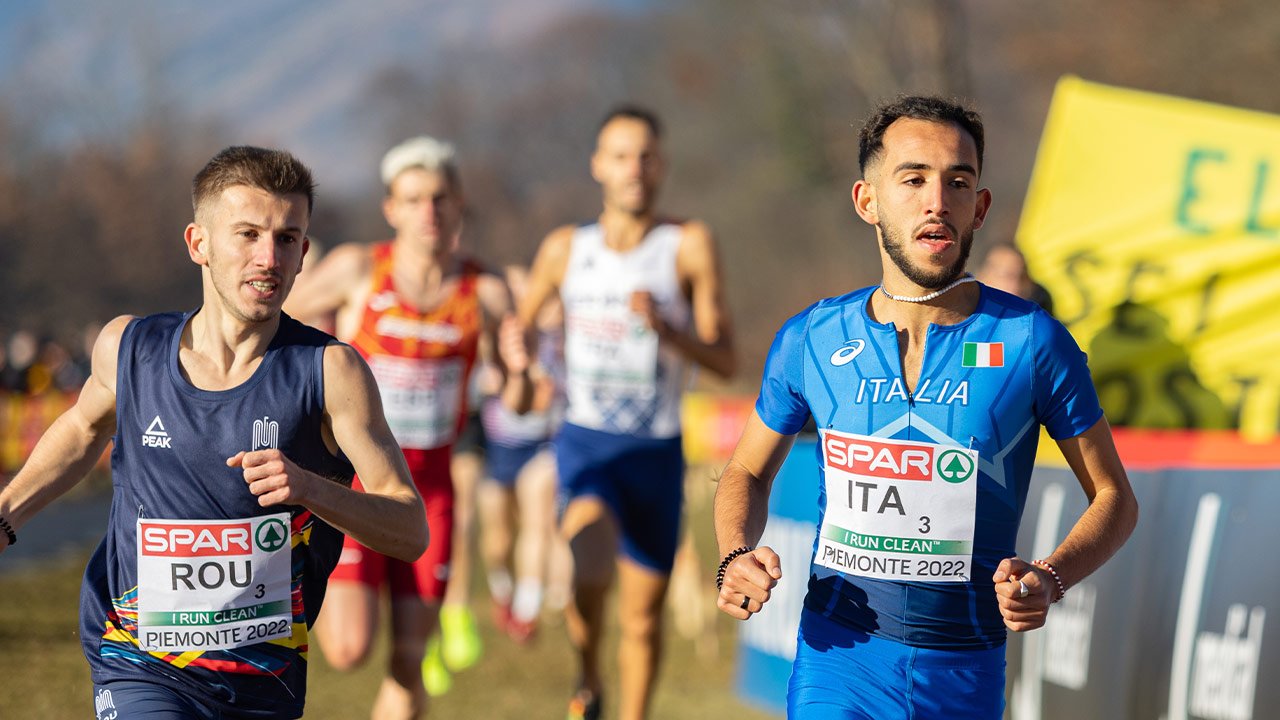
<point>847,352</point>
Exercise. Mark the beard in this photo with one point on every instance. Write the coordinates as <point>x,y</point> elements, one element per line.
<point>928,278</point>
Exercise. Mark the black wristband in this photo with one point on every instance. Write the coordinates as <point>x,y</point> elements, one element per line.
<point>725,563</point>
<point>8,530</point>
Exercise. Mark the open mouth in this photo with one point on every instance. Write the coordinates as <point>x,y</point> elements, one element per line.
<point>935,241</point>
<point>263,287</point>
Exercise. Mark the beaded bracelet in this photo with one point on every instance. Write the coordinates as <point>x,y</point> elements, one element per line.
<point>1044,565</point>
<point>725,564</point>
<point>8,531</point>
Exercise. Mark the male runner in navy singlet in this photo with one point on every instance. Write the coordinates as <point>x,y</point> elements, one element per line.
<point>237,430</point>
<point>928,393</point>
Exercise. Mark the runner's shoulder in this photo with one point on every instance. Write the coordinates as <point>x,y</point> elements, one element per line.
<point>692,227</point>
<point>554,250</point>
<point>791,336</point>
<point>1010,305</point>
<point>343,269</point>
<point>343,366</point>
<point>828,305</point>
<point>1045,331</point>
<point>352,257</point>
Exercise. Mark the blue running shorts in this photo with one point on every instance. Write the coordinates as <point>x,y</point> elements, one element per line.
<point>503,463</point>
<point>139,700</point>
<point>843,674</point>
<point>640,479</point>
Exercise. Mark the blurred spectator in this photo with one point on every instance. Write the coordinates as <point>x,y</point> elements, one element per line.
<point>22,355</point>
<point>83,357</point>
<point>63,373</point>
<point>1005,268</point>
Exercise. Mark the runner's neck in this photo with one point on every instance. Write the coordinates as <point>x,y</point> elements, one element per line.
<point>419,278</point>
<point>625,231</point>
<point>222,352</point>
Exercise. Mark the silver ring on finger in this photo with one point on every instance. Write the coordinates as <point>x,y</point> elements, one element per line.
<point>745,601</point>
<point>1022,589</point>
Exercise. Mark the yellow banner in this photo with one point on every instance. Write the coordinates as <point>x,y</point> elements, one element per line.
<point>1155,224</point>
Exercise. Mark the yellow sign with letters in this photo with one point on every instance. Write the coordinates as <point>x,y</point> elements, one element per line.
<point>1155,224</point>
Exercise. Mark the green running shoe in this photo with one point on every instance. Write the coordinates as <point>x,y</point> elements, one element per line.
<point>435,676</point>
<point>461,646</point>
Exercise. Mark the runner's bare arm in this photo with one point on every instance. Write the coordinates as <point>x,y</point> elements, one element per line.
<point>388,517</point>
<point>741,510</point>
<point>326,288</point>
<point>698,264</point>
<point>72,445</point>
<point>511,351</point>
<point>1103,528</point>
<point>547,273</point>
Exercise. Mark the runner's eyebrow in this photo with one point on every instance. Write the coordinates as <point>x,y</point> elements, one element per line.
<point>955,167</point>
<point>249,224</point>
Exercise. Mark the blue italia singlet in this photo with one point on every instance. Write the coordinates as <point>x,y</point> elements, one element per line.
<point>196,586</point>
<point>922,492</point>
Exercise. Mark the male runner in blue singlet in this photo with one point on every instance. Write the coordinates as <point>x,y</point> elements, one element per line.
<point>236,430</point>
<point>928,393</point>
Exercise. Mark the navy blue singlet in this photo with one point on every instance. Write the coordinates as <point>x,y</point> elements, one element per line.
<point>169,462</point>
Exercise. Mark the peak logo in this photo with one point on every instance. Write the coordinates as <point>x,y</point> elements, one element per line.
<point>155,436</point>
<point>865,456</point>
<point>847,352</point>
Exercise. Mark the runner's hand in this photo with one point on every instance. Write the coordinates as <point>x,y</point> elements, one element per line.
<point>1027,613</point>
<point>751,577</point>
<point>642,304</point>
<point>513,346</point>
<point>272,477</point>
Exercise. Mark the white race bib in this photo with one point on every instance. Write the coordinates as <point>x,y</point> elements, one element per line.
<point>897,509</point>
<point>421,398</point>
<point>213,584</point>
<point>611,351</point>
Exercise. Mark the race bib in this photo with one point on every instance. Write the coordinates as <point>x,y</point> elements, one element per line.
<point>421,398</point>
<point>612,352</point>
<point>213,584</point>
<point>897,509</point>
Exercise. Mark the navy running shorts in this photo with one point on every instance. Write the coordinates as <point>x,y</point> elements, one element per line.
<point>139,700</point>
<point>503,463</point>
<point>640,479</point>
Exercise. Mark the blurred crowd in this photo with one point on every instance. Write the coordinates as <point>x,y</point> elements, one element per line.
<point>35,365</point>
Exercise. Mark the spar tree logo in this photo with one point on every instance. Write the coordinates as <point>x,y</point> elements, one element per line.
<point>954,466</point>
<point>271,535</point>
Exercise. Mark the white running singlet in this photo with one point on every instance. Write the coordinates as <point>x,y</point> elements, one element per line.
<point>619,379</point>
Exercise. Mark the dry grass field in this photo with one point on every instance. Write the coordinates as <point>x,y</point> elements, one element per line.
<point>46,677</point>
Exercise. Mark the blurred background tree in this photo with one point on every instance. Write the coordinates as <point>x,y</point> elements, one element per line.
<point>106,113</point>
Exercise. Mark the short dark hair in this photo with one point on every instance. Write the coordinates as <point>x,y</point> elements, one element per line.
<point>918,107</point>
<point>275,171</point>
<point>633,112</point>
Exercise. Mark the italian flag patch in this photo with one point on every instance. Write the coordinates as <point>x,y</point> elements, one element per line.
<point>983,355</point>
